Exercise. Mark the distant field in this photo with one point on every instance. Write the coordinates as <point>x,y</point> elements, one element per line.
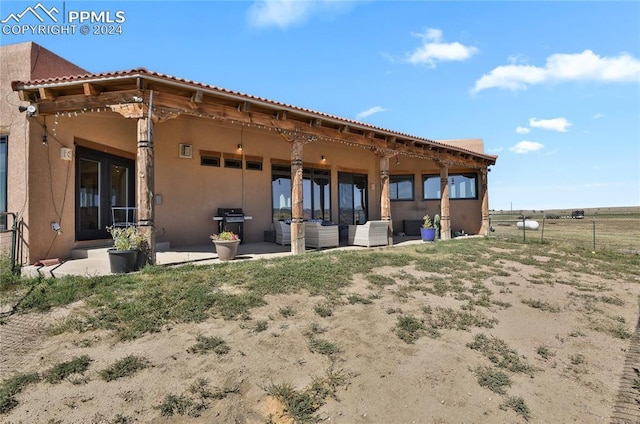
<point>601,229</point>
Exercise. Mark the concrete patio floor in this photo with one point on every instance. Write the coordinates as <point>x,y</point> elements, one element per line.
<point>97,260</point>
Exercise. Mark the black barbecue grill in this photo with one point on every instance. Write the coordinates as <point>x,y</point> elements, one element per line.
<point>231,220</point>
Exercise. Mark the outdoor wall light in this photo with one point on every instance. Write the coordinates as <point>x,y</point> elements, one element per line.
<point>239,146</point>
<point>323,158</point>
<point>31,109</point>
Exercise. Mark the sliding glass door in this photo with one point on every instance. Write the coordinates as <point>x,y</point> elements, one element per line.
<point>352,192</point>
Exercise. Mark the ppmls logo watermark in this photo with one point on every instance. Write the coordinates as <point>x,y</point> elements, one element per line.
<point>57,20</point>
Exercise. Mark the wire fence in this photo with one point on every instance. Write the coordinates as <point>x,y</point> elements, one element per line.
<point>614,229</point>
<point>9,239</point>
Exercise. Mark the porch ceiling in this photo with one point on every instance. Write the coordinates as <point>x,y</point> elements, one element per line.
<point>129,93</point>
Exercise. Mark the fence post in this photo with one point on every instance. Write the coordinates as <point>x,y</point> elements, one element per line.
<point>524,229</point>
<point>594,233</point>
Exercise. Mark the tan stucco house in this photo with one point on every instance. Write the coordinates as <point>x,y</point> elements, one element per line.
<point>179,150</point>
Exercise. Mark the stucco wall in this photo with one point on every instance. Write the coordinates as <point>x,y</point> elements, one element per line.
<point>191,193</point>
<point>22,62</point>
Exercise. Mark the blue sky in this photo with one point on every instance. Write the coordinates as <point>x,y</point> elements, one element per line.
<point>553,88</point>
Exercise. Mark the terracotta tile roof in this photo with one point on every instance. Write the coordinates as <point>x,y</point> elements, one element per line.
<point>18,85</point>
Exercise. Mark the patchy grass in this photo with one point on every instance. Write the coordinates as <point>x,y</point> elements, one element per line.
<point>176,405</point>
<point>302,405</point>
<point>12,386</point>
<point>194,401</point>
<point>500,354</point>
<point>287,311</point>
<point>62,370</point>
<point>321,346</point>
<point>540,304</point>
<point>324,310</point>
<point>409,328</point>
<point>544,352</point>
<point>612,328</point>
<point>354,298</point>
<point>158,298</point>
<point>125,367</point>
<point>517,404</point>
<point>449,318</point>
<point>493,379</point>
<point>381,280</point>
<point>261,325</point>
<point>205,344</point>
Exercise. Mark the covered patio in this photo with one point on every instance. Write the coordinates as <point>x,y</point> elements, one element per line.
<point>135,119</point>
<point>95,261</point>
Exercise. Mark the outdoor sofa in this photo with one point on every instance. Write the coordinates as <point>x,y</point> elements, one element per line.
<point>373,233</point>
<point>283,232</point>
<point>318,236</point>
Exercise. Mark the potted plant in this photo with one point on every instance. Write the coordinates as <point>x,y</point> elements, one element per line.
<point>126,245</point>
<point>226,245</point>
<point>428,231</point>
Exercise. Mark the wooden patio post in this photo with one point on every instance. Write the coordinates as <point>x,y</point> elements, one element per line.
<point>145,185</point>
<point>484,192</point>
<point>297,210</point>
<point>385,202</point>
<point>445,220</point>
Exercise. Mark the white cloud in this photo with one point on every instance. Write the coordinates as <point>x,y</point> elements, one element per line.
<point>556,124</point>
<point>370,111</point>
<point>434,50</point>
<point>598,115</point>
<point>585,66</point>
<point>286,13</point>
<point>524,147</point>
<point>523,130</point>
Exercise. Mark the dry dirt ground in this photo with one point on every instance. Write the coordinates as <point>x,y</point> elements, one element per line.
<point>577,362</point>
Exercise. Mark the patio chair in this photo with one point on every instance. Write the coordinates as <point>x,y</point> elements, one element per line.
<point>283,233</point>
<point>373,233</point>
<point>318,236</point>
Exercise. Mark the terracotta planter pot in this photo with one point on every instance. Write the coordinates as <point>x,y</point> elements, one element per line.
<point>226,249</point>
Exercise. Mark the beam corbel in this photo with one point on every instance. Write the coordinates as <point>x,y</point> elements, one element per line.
<point>129,110</point>
<point>90,89</point>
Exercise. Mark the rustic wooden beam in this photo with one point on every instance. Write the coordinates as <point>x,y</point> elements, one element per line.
<point>484,193</point>
<point>385,202</point>
<point>297,210</point>
<point>77,102</point>
<point>90,89</point>
<point>281,115</point>
<point>445,218</point>
<point>46,94</point>
<point>145,185</point>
